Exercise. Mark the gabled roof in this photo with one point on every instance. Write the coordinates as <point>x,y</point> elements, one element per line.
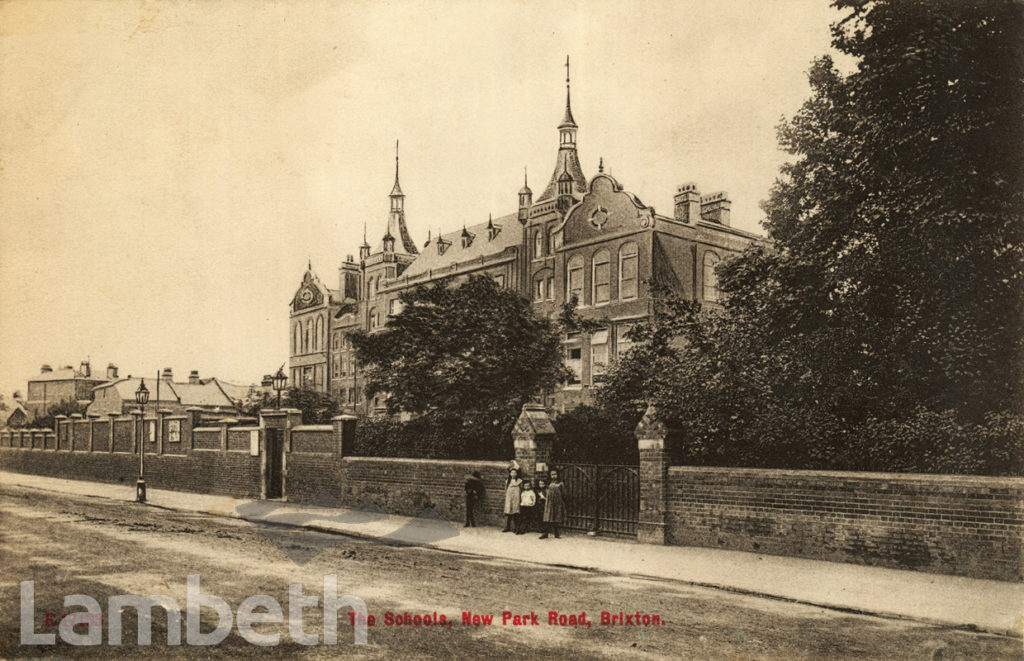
<point>481,246</point>
<point>207,393</point>
<point>65,374</point>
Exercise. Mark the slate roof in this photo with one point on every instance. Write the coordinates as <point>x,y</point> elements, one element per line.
<point>208,393</point>
<point>481,246</point>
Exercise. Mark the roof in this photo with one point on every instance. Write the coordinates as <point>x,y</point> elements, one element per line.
<point>65,374</point>
<point>236,391</point>
<point>568,161</point>
<point>508,236</point>
<point>208,393</point>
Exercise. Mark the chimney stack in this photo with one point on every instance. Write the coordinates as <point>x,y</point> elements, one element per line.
<point>715,208</point>
<point>687,204</point>
<point>193,377</point>
<point>111,371</point>
<point>85,369</point>
<point>45,369</point>
<point>168,374</point>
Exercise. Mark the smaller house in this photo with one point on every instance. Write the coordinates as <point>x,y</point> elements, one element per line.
<point>53,386</point>
<point>15,415</point>
<point>164,393</point>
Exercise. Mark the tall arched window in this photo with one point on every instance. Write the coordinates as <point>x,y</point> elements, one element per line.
<point>373,318</point>
<point>602,277</point>
<point>627,271</point>
<point>298,338</point>
<point>319,334</point>
<point>574,279</point>
<point>305,337</point>
<point>369,287</point>
<point>711,293</point>
<point>538,244</point>
<point>551,241</point>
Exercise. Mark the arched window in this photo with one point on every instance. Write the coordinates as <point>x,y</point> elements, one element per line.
<point>551,241</point>
<point>711,293</point>
<point>627,271</point>
<point>298,338</point>
<point>319,334</point>
<point>538,244</point>
<point>373,318</point>
<point>369,287</point>
<point>574,279</point>
<point>602,277</point>
<point>305,337</point>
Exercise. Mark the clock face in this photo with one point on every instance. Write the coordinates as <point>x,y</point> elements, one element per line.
<point>306,296</point>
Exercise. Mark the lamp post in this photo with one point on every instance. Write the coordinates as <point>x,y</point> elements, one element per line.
<point>279,380</point>
<point>141,397</point>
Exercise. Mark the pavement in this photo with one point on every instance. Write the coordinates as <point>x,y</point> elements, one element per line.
<point>953,601</point>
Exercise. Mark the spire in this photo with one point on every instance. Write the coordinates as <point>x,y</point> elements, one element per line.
<point>396,191</point>
<point>309,262</point>
<point>525,190</point>
<point>567,121</point>
<point>567,159</point>
<point>600,165</point>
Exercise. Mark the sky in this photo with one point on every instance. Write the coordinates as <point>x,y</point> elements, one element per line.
<point>168,168</point>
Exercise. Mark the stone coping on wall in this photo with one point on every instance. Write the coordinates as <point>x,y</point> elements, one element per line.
<point>210,429</point>
<point>448,462</point>
<point>931,479</point>
<point>313,428</point>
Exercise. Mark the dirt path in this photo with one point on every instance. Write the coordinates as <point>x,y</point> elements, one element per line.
<point>100,548</point>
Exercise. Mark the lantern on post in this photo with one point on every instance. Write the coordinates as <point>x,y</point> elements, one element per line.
<point>142,398</point>
<point>279,381</point>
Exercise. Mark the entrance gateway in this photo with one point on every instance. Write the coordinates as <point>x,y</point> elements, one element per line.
<point>602,498</point>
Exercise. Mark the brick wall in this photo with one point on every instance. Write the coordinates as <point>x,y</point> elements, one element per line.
<point>408,486</point>
<point>964,525</point>
<point>312,466</point>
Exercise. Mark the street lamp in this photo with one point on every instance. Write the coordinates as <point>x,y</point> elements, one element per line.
<point>141,397</point>
<point>279,380</point>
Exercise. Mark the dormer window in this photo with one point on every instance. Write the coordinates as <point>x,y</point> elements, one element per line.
<point>467,238</point>
<point>442,245</point>
<point>492,231</point>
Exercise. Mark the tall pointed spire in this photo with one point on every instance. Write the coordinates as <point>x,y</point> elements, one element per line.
<point>397,190</point>
<point>567,161</point>
<point>567,121</point>
<point>396,230</point>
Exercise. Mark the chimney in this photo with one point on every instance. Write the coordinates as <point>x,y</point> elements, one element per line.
<point>715,208</point>
<point>687,207</point>
<point>193,377</point>
<point>84,369</point>
<point>111,371</point>
<point>45,369</point>
<point>168,374</point>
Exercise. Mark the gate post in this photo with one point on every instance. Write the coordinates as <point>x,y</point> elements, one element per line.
<point>344,431</point>
<point>533,437</point>
<point>650,437</point>
<point>270,419</point>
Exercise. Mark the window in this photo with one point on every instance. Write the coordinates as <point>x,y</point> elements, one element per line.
<point>622,343</point>
<point>711,260</point>
<point>538,289</point>
<point>318,341</point>
<point>500,279</point>
<point>598,355</point>
<point>336,342</point>
<point>369,287</point>
<point>394,306</point>
<point>551,287</point>
<point>574,361</point>
<point>602,277</point>
<point>627,271</point>
<point>373,318</point>
<point>538,244</point>
<point>298,337</point>
<point>551,241</point>
<point>305,337</point>
<point>574,279</point>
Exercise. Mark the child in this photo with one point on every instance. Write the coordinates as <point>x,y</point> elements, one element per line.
<point>554,507</point>
<point>527,503</point>
<point>474,491</point>
<point>537,525</point>
<point>512,488</point>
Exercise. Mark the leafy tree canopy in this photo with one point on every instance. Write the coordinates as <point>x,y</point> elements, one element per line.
<point>472,349</point>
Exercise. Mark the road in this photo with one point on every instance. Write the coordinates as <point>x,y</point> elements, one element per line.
<point>101,548</point>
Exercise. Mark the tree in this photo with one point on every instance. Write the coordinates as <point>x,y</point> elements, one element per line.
<point>883,328</point>
<point>66,407</point>
<point>473,353</point>
<point>317,407</point>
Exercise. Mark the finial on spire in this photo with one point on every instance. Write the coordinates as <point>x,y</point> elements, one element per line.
<point>525,183</point>
<point>567,121</point>
<point>600,165</point>
<point>309,262</point>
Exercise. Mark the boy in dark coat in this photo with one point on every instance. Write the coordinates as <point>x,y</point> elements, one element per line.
<point>474,492</point>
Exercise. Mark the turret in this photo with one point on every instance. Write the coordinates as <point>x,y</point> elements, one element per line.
<point>525,200</point>
<point>568,161</point>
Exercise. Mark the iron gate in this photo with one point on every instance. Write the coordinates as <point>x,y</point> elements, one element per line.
<point>602,498</point>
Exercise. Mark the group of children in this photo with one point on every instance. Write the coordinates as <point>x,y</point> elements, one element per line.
<point>526,509</point>
<point>534,510</point>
